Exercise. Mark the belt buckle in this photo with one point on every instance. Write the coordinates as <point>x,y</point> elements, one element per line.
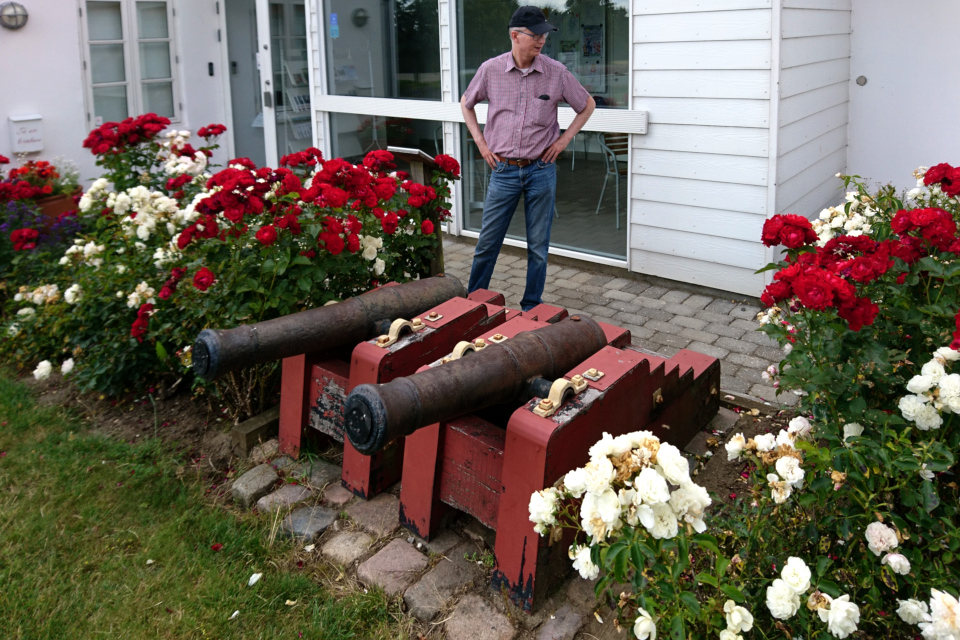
<point>523,162</point>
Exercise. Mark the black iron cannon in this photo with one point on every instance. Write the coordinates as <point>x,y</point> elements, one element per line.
<point>500,373</point>
<point>352,321</point>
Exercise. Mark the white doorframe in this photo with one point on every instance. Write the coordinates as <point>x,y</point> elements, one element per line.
<point>265,62</point>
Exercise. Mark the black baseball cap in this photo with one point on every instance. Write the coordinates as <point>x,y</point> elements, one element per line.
<point>531,18</point>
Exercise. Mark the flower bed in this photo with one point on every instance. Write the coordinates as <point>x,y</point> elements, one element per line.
<point>849,528</point>
<point>171,248</point>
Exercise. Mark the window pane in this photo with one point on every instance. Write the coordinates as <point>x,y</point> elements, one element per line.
<point>154,60</point>
<point>106,63</point>
<point>152,20</point>
<point>388,49</point>
<point>110,103</point>
<point>104,21</point>
<point>591,194</point>
<point>158,98</point>
<point>356,135</point>
<point>592,41</point>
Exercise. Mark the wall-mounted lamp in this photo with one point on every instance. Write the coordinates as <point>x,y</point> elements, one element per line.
<point>13,15</point>
<point>359,17</point>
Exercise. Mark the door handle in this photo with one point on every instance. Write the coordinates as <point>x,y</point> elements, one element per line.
<point>268,99</point>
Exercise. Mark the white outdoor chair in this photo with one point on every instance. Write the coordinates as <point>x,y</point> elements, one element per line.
<point>616,150</point>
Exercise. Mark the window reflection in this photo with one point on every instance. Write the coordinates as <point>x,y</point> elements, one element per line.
<point>356,135</point>
<point>384,48</point>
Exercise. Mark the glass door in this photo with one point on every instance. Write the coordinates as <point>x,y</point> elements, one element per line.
<point>291,81</point>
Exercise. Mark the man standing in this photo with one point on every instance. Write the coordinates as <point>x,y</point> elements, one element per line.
<point>521,143</point>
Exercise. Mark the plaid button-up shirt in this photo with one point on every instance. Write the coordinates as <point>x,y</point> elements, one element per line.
<point>522,116</point>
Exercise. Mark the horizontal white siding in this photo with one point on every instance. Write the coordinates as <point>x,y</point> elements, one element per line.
<point>813,111</point>
<point>699,184</point>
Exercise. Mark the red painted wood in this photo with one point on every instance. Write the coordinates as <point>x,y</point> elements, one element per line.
<point>616,336</point>
<point>546,313</point>
<point>470,477</point>
<point>485,295</point>
<point>420,504</point>
<point>294,395</point>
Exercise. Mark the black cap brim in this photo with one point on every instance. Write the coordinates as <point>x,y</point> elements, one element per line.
<point>542,28</point>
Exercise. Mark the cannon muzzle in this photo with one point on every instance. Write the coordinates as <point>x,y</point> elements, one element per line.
<point>352,321</point>
<point>378,414</point>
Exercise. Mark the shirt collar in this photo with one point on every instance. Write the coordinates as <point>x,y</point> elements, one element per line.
<point>536,65</point>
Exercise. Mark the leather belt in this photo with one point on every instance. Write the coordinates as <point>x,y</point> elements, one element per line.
<point>519,162</point>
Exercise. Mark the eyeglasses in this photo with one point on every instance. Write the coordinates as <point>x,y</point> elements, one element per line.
<point>541,37</point>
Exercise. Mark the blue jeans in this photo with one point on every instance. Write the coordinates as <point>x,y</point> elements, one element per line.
<point>537,183</point>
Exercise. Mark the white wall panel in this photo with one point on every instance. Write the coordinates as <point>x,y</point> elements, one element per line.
<point>803,131</point>
<point>753,84</point>
<point>706,111</point>
<point>837,5</point>
<point>699,220</point>
<point>828,194</point>
<point>807,104</point>
<point>701,166</point>
<point>706,274</point>
<point>798,23</point>
<point>695,246</point>
<point>790,164</point>
<point>724,140</point>
<point>810,178</point>
<point>799,51</point>
<point>736,54</point>
<point>708,25</point>
<point>701,193</point>
<point>643,7</point>
<point>813,76</point>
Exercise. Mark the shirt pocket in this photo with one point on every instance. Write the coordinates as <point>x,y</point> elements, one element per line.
<point>543,112</point>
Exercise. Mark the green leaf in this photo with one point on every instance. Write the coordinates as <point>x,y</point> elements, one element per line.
<point>706,578</point>
<point>822,564</point>
<point>733,593</point>
<point>161,352</point>
<point>707,542</point>
<point>722,564</point>
<point>691,602</point>
<point>636,556</point>
<point>930,498</point>
<point>678,630</point>
<point>830,588</point>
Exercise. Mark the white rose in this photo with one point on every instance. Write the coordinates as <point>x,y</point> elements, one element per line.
<point>897,562</point>
<point>664,522</point>
<point>42,372</point>
<point>542,507</point>
<point>583,563</point>
<point>796,573</point>
<point>576,482</point>
<point>602,448</point>
<point>735,446</point>
<point>780,490</point>
<point>738,619</point>
<point>933,369</point>
<point>953,403</point>
<point>949,386</point>
<point>928,418</point>
<point>920,384</point>
<point>852,430</point>
<point>726,634</point>
<point>688,503</point>
<point>13,330</point>
<point>600,473</point>
<point>842,616</point>
<point>880,538</point>
<point>73,294</point>
<point>651,487</point>
<point>948,354</point>
<point>910,406</point>
<point>800,426</point>
<point>925,473</point>
<point>370,252</point>
<point>378,267</point>
<point>673,465</point>
<point>944,617</point>
<point>782,601</point>
<point>791,471</point>
<point>27,311</point>
<point>785,438</point>
<point>787,349</point>
<point>913,611</point>
<point>765,442</point>
<point>67,366</point>
<point>644,627</point>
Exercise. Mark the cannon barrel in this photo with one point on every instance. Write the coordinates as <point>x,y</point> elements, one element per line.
<point>378,414</point>
<point>352,321</point>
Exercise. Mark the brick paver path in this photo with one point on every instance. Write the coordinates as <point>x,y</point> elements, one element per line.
<point>660,319</point>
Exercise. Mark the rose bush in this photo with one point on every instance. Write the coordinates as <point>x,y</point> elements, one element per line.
<point>176,248</point>
<point>850,525</point>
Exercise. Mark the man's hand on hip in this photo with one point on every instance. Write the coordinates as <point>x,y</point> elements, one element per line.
<point>554,150</point>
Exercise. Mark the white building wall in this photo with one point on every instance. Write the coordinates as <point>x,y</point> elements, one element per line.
<point>905,116</point>
<point>41,73</point>
<point>813,104</point>
<point>700,176</point>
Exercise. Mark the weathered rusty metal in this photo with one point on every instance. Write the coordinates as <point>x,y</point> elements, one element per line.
<point>352,321</point>
<point>500,373</point>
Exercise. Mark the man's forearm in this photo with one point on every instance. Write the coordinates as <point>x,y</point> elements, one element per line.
<point>580,120</point>
<point>473,125</point>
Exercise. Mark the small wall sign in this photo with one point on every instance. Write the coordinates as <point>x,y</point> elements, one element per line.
<point>26,133</point>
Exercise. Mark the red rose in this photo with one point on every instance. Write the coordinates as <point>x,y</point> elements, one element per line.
<point>858,314</point>
<point>389,223</point>
<point>211,130</point>
<point>24,239</point>
<point>334,197</point>
<point>901,278</point>
<point>4,159</point>
<point>203,279</point>
<point>267,235</point>
<point>332,241</point>
<point>448,164</point>
<point>353,224</point>
<point>353,243</point>
<point>951,183</point>
<point>426,227</point>
<point>813,292</point>
<point>936,173</point>
<point>775,292</point>
<point>770,235</point>
<point>862,269</point>
<point>309,253</point>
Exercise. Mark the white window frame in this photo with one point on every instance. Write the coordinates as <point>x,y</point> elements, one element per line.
<point>131,60</point>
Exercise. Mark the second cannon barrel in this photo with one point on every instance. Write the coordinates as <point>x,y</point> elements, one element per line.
<point>378,414</point>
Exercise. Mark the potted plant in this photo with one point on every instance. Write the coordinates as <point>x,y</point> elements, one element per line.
<point>53,189</point>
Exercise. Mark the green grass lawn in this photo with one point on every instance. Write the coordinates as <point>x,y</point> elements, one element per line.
<point>81,516</point>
